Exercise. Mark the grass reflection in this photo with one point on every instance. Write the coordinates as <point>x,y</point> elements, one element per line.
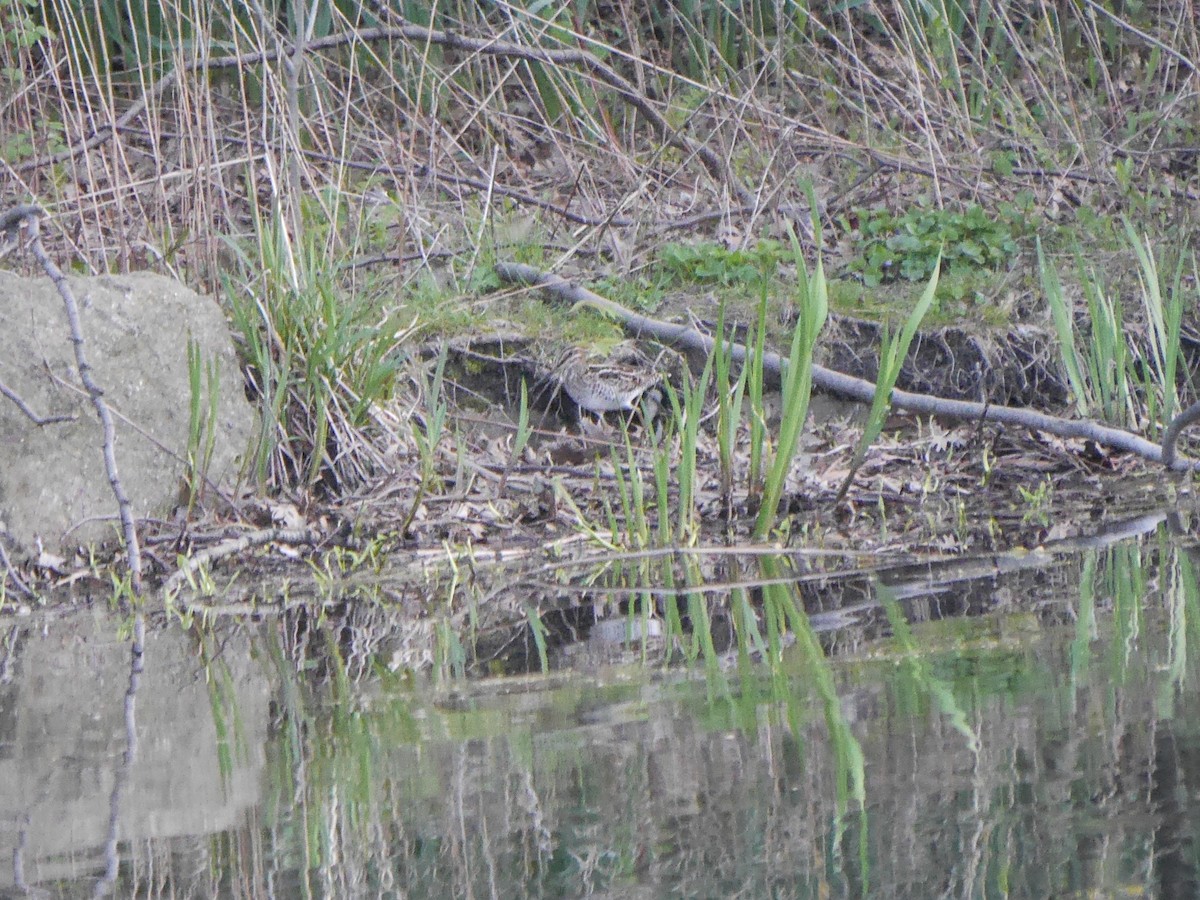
<point>781,602</point>
<point>917,668</point>
<point>1031,743</point>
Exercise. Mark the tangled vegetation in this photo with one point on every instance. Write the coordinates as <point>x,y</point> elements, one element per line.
<point>344,177</point>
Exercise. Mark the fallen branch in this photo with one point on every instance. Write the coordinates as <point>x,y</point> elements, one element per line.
<point>689,338</point>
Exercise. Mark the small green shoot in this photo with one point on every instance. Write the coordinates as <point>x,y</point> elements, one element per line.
<point>1165,316</point>
<point>1107,374</point>
<point>1108,358</point>
<point>538,629</point>
<point>729,410</point>
<point>812,298</point>
<point>450,657</point>
<point>693,410</point>
<point>632,493</point>
<point>202,422</point>
<point>1037,502</point>
<point>662,482</point>
<point>1064,327</point>
<point>520,439</point>
<point>428,432</point>
<point>891,359</point>
<point>758,417</point>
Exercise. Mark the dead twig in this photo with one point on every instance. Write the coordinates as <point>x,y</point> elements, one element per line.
<point>21,587</point>
<point>29,217</point>
<point>29,413</point>
<point>10,225</point>
<point>238,545</point>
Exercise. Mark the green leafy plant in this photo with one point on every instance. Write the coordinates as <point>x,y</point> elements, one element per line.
<point>520,439</point>
<point>428,431</point>
<point>319,357</point>
<point>1037,502</point>
<point>909,246</point>
<point>709,263</point>
<point>689,413</point>
<point>1108,372</point>
<point>537,628</point>
<point>729,410</point>
<point>1162,303</point>
<point>1064,326</point>
<point>20,30</point>
<point>631,489</point>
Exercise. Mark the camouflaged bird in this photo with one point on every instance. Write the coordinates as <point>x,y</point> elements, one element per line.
<point>608,385</point>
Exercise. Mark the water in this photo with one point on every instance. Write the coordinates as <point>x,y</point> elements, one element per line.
<point>1025,733</point>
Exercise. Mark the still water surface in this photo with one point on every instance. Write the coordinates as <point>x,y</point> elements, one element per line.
<point>1041,739</point>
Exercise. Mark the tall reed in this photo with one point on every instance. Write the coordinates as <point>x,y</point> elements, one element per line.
<point>812,306</point>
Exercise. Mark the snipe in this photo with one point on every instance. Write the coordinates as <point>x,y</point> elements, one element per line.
<point>607,386</point>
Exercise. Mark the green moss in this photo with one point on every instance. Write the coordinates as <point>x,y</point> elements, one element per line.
<point>439,310</point>
<point>585,328</point>
<point>892,303</point>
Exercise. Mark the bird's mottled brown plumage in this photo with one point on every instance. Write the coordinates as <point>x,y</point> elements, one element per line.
<point>601,387</point>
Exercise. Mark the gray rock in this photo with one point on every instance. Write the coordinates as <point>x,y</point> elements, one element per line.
<point>53,484</point>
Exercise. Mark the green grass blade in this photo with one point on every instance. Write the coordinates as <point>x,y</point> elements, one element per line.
<point>892,355</point>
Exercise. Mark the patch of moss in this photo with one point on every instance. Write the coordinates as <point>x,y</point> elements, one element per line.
<point>584,328</point>
<point>892,303</point>
<point>439,310</point>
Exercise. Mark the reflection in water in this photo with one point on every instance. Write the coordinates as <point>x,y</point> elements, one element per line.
<point>1173,780</point>
<point>1038,742</point>
<point>63,741</point>
<point>137,660</point>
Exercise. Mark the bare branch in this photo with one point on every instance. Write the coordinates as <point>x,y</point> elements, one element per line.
<point>28,217</point>
<point>857,388</point>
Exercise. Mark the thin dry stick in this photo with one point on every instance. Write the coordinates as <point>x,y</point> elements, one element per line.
<point>846,385</point>
<point>28,411</point>
<point>1149,39</point>
<point>125,420</point>
<point>237,545</point>
<point>21,587</point>
<point>95,394</point>
<point>657,226</point>
<point>293,66</point>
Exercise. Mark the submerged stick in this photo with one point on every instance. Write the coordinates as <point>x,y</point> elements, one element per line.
<point>688,338</point>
